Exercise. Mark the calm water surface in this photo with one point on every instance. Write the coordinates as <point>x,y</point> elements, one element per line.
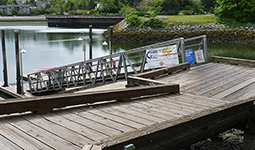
<point>49,47</point>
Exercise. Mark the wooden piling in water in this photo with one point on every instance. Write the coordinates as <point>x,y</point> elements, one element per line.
<point>17,52</point>
<point>90,41</point>
<point>4,59</point>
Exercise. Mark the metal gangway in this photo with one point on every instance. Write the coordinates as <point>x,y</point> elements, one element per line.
<point>107,68</point>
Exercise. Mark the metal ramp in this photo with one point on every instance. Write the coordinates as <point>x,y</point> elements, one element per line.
<point>106,68</point>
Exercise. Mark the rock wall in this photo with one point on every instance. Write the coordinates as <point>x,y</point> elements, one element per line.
<point>214,33</point>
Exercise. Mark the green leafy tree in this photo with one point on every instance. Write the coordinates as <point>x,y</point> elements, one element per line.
<point>10,3</point>
<point>91,4</point>
<point>235,10</point>
<point>31,2</point>
<point>208,4</point>
<point>127,10</point>
<point>14,2</point>
<point>69,5</point>
<point>108,6</point>
<point>15,12</point>
<point>169,7</point>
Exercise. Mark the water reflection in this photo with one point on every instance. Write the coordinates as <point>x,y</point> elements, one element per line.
<point>50,47</point>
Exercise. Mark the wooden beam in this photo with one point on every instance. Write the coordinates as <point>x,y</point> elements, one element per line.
<point>175,134</point>
<point>233,61</point>
<point>166,70</point>
<point>44,104</point>
<point>136,81</point>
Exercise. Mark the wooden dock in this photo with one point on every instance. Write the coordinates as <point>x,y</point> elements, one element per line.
<point>180,106</point>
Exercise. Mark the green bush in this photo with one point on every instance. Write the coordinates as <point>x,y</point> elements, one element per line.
<point>153,22</point>
<point>133,20</point>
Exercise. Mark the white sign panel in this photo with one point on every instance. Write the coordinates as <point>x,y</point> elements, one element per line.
<point>162,57</point>
<point>199,56</point>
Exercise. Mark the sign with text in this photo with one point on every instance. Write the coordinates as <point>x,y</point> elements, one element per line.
<point>162,57</point>
<point>199,56</point>
<point>189,56</point>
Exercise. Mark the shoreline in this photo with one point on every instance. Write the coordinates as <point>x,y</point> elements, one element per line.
<point>214,33</point>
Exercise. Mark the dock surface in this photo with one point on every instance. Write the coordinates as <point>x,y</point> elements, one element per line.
<point>211,97</point>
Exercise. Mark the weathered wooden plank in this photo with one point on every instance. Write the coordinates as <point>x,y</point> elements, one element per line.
<point>79,128</point>
<point>88,123</point>
<point>221,86</point>
<point>205,75</point>
<point>92,147</point>
<point>7,144</point>
<point>136,81</point>
<point>155,110</point>
<point>201,84</point>
<point>136,113</point>
<point>165,108</point>
<point>162,71</point>
<point>234,89</point>
<point>107,122</point>
<point>118,112</point>
<point>44,103</point>
<point>200,100</point>
<point>41,135</point>
<point>218,119</point>
<point>234,61</point>
<point>172,108</point>
<point>21,139</point>
<point>193,76</point>
<point>194,70</point>
<point>59,129</point>
<point>180,101</point>
<point>132,123</point>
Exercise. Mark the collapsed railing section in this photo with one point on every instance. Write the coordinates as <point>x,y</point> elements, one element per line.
<point>107,68</point>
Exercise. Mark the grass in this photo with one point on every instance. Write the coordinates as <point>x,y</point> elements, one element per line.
<point>189,19</point>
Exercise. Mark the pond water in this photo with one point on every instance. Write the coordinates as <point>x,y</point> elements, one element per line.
<point>53,47</point>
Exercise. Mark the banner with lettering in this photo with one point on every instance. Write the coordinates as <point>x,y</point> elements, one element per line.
<point>162,57</point>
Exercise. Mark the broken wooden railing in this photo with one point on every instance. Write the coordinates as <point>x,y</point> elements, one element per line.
<point>45,104</point>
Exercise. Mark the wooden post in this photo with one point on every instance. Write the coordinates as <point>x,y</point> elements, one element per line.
<point>111,37</point>
<point>4,59</point>
<point>90,41</point>
<point>17,52</point>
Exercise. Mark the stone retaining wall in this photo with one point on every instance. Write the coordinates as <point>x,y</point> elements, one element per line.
<point>214,33</point>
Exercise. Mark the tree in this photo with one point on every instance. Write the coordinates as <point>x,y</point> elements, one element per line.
<point>107,6</point>
<point>169,7</point>
<point>235,10</point>
<point>92,4</point>
<point>208,4</point>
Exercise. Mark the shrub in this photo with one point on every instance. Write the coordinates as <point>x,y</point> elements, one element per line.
<point>133,20</point>
<point>153,22</point>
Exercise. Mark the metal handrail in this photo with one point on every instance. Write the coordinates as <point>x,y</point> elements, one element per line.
<point>103,69</point>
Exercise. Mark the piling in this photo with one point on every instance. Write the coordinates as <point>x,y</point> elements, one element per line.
<point>17,52</point>
<point>4,59</point>
<point>111,37</point>
<point>90,41</point>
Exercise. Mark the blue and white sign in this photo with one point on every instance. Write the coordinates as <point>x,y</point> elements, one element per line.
<point>189,56</point>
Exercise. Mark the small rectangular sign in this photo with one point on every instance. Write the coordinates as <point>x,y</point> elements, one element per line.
<point>189,56</point>
<point>162,57</point>
<point>199,56</point>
